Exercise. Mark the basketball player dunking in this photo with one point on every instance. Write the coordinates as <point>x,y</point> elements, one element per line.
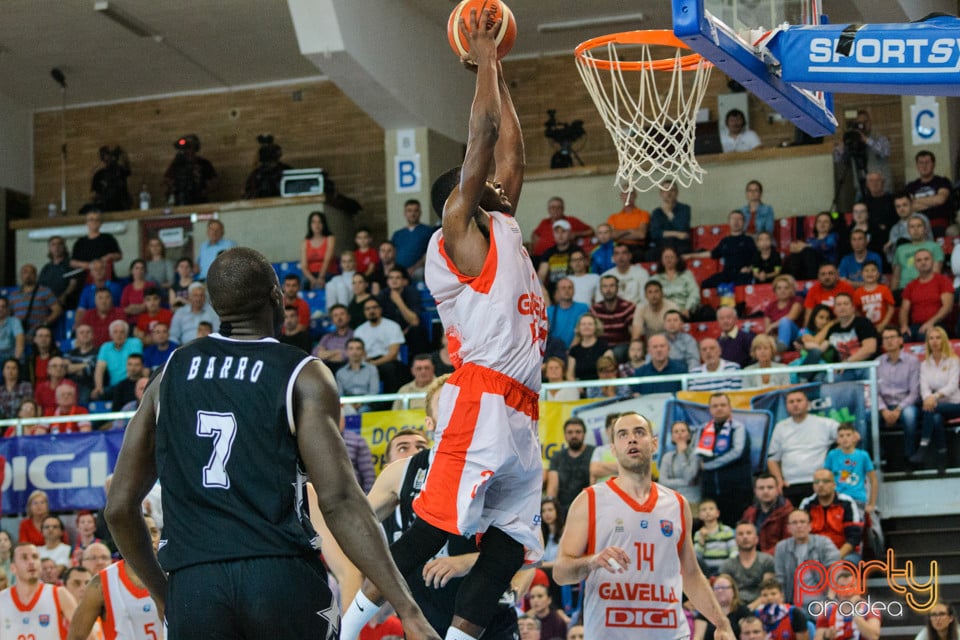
<point>229,427</point>
<point>486,472</point>
<point>629,537</point>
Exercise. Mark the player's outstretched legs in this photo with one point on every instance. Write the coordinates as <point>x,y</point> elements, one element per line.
<point>500,558</point>
<point>417,545</point>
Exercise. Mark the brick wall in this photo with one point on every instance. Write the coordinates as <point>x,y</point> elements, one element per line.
<point>317,125</point>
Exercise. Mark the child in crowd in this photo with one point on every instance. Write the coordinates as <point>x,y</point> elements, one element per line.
<point>766,266</point>
<point>366,256</point>
<point>636,358</point>
<point>853,468</point>
<point>601,259</point>
<point>204,329</point>
<point>780,621</point>
<point>714,542</point>
<point>874,300</point>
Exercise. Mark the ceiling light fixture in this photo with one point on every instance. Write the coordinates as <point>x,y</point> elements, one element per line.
<point>600,21</point>
<point>131,24</point>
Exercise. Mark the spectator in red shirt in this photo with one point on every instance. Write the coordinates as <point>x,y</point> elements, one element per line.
<point>67,406</point>
<point>828,286</point>
<point>152,315</point>
<point>291,287</point>
<point>45,392</point>
<point>927,300</point>
<point>843,619</point>
<point>542,237</point>
<point>102,316</point>
<point>615,313</point>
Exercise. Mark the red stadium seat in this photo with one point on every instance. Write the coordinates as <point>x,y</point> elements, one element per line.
<point>703,268</point>
<point>707,237</point>
<point>710,297</point>
<point>651,267</point>
<point>785,234</point>
<point>809,227</point>
<point>701,330</point>
<point>756,296</point>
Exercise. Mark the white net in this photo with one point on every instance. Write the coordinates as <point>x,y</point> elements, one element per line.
<point>652,127</point>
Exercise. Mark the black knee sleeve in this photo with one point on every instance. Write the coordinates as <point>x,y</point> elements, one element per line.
<point>500,557</point>
<point>418,544</point>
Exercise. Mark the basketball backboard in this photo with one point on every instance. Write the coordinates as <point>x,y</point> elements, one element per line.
<point>783,52</point>
<point>731,34</point>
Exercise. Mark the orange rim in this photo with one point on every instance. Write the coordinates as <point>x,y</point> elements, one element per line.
<point>662,37</point>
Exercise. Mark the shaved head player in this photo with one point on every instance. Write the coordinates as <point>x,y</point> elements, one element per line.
<point>485,471</point>
<point>229,427</point>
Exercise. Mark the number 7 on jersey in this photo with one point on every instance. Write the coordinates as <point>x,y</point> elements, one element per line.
<point>222,427</point>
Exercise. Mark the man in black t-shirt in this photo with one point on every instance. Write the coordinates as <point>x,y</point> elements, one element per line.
<point>242,417</point>
<point>931,193</point>
<point>569,472</point>
<point>854,337</point>
<point>555,261</point>
<point>737,251</point>
<point>95,245</point>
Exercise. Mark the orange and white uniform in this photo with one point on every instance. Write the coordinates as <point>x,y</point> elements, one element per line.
<point>486,468</point>
<point>131,614</point>
<point>39,619</point>
<point>646,598</point>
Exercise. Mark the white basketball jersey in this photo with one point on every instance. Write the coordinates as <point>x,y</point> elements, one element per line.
<point>497,319</point>
<point>131,614</point>
<point>644,601</point>
<point>38,619</point>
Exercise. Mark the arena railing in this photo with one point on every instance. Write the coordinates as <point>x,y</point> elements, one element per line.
<point>829,371</point>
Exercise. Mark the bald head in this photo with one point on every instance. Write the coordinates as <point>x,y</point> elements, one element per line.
<point>239,282</point>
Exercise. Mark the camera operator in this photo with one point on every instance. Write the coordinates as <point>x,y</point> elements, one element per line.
<point>861,152</point>
<point>264,180</point>
<point>189,176</point>
<point>109,185</point>
<point>564,134</point>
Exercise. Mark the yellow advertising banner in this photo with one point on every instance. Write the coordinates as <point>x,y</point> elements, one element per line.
<point>738,399</point>
<point>377,427</point>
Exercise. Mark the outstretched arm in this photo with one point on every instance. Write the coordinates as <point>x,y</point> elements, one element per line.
<point>464,242</point>
<point>344,507</point>
<point>133,477</point>
<point>508,153</point>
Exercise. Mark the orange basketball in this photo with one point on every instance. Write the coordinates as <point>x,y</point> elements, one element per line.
<point>506,35</point>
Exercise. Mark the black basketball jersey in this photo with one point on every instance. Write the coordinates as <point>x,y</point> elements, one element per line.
<point>438,604</point>
<point>226,451</point>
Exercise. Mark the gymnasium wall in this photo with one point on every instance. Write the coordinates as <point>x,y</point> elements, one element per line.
<point>318,126</point>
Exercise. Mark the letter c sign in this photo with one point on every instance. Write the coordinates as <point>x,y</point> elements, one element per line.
<point>925,124</point>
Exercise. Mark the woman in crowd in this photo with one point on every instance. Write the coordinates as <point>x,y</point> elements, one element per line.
<point>317,252</point>
<point>728,596</point>
<point>812,343</point>
<point>361,293</point>
<point>680,468</point>
<point>13,391</point>
<point>782,314</point>
<point>940,397</point>
<point>38,508</point>
<point>762,349</point>
<point>554,371</point>
<point>607,370</point>
<point>551,525</point>
<point>159,269</point>
<point>6,555</point>
<point>679,285</point>
<point>181,284</point>
<point>28,409</point>
<point>131,300</point>
<point>821,248</point>
<point>941,623</point>
<point>757,216</point>
<point>86,534</point>
<point>587,347</point>
<point>43,349</point>
<point>766,264</point>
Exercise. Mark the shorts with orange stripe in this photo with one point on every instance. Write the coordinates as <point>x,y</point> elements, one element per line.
<point>485,468</point>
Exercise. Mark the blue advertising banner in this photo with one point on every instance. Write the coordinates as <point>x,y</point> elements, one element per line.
<point>72,468</point>
<point>841,401</point>
<point>919,57</point>
<point>758,423</point>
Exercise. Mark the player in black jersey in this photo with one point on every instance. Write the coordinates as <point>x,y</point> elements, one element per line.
<point>234,420</point>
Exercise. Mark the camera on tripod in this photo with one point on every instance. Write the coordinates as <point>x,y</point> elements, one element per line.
<point>564,134</point>
<point>853,139</point>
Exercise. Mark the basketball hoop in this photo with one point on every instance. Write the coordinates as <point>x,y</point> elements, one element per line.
<point>652,127</point>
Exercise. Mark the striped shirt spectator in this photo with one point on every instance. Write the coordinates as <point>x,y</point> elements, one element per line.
<point>713,363</point>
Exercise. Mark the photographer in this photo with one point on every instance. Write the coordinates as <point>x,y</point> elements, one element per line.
<point>109,185</point>
<point>861,152</point>
<point>189,176</point>
<point>264,180</point>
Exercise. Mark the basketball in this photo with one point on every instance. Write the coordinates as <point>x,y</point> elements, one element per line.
<point>506,35</point>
